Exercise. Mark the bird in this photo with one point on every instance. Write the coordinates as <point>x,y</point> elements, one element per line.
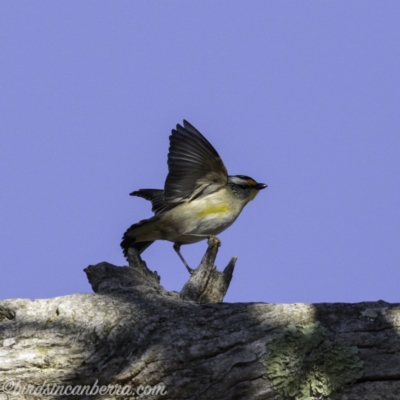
<point>199,198</point>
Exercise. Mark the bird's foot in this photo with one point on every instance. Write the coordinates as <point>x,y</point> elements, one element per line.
<point>213,240</point>
<point>191,270</point>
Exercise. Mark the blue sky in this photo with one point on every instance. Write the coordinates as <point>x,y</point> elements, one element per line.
<point>304,96</point>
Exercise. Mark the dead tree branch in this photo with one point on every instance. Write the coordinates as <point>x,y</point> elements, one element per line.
<point>133,332</point>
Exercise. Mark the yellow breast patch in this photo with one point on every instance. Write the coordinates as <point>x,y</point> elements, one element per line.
<point>216,210</point>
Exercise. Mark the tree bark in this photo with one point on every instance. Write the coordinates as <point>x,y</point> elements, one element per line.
<point>132,332</point>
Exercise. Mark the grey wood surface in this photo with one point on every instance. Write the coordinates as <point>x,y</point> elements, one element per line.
<point>133,332</point>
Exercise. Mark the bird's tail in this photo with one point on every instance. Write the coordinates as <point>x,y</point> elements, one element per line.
<point>138,235</point>
<point>140,247</point>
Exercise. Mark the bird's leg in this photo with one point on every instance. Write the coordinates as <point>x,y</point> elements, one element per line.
<point>177,248</point>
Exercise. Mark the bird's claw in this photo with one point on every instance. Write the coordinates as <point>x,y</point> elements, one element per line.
<point>213,240</point>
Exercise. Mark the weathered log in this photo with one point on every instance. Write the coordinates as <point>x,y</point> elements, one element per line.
<point>133,332</point>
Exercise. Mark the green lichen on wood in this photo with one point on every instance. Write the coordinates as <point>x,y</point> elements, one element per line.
<point>303,364</point>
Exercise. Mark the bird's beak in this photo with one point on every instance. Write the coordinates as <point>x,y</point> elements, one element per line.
<point>261,186</point>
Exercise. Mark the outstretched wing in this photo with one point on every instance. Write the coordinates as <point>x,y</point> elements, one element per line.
<point>194,166</point>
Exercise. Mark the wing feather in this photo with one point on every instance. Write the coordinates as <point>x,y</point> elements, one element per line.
<point>194,166</point>
<point>156,196</point>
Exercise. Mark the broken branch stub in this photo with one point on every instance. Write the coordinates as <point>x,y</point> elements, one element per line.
<point>205,285</point>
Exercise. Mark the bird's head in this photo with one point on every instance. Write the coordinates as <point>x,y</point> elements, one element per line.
<point>244,187</point>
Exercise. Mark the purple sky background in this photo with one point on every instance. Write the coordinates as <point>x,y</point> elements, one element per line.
<point>304,96</point>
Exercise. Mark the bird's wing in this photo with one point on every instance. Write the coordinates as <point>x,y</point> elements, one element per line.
<point>156,196</point>
<point>194,166</point>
